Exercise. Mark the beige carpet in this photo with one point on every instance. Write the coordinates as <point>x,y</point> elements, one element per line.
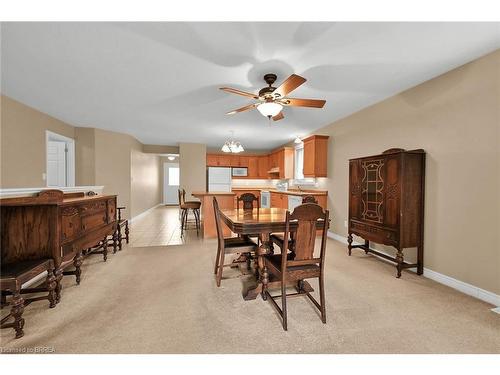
<point>164,300</point>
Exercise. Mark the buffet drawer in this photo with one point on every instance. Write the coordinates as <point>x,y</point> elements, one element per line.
<point>93,221</point>
<point>374,233</point>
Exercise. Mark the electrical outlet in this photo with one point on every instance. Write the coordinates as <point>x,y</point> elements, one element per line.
<point>345,223</point>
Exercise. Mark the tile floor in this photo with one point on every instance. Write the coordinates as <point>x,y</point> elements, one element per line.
<point>160,227</point>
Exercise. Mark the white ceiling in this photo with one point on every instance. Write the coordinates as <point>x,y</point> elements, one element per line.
<point>158,81</point>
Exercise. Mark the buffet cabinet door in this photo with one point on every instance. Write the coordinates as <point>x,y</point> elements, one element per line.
<point>355,179</point>
<point>392,190</point>
<point>372,207</point>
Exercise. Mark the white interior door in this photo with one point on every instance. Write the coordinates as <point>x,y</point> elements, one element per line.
<point>170,183</point>
<point>56,164</point>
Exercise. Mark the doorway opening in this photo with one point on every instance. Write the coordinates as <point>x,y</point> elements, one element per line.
<point>60,159</point>
<point>171,176</point>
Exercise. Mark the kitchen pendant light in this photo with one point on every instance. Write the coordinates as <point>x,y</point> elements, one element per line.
<point>269,109</point>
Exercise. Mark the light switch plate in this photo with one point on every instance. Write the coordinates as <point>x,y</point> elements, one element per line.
<point>496,310</point>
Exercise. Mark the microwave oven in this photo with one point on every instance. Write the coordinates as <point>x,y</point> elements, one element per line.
<point>240,172</point>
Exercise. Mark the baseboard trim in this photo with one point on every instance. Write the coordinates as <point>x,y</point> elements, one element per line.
<point>142,214</point>
<point>469,289</point>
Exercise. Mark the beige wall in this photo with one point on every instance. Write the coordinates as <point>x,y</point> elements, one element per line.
<point>112,159</point>
<point>193,167</point>
<point>23,152</point>
<point>146,181</point>
<point>455,118</point>
<point>84,156</point>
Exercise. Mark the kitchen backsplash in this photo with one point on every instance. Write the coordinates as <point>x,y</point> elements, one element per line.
<point>272,184</point>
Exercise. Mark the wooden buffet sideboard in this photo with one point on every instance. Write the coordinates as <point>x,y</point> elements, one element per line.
<point>386,203</point>
<point>55,225</point>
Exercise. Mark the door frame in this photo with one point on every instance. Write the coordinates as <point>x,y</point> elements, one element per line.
<point>166,165</point>
<point>70,156</point>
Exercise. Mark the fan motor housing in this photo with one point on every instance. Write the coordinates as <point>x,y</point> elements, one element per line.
<point>266,91</point>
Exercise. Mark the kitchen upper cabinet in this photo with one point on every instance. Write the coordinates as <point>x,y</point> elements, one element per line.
<point>281,163</point>
<point>212,160</point>
<point>263,162</point>
<point>243,161</point>
<point>253,167</point>
<point>315,156</point>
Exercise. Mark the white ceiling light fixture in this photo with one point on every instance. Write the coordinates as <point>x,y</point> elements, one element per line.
<point>269,109</point>
<point>171,157</point>
<point>232,146</point>
<point>297,140</point>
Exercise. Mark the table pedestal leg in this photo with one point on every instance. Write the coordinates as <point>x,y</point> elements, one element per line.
<point>262,250</point>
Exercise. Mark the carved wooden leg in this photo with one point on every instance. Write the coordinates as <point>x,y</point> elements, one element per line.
<point>105,249</point>
<point>399,261</point>
<point>367,246</point>
<point>127,231</point>
<point>262,250</point>
<point>51,287</point>
<point>349,243</point>
<point>420,260</point>
<point>58,273</point>
<point>77,262</point>
<point>17,312</point>
<point>119,230</point>
<point>265,281</point>
<point>115,242</point>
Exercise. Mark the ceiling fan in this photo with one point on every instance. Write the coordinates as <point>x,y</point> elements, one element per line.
<point>271,100</point>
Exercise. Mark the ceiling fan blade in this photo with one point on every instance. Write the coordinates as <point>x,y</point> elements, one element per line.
<point>279,116</point>
<point>290,84</point>
<point>238,92</point>
<point>242,109</point>
<point>313,103</point>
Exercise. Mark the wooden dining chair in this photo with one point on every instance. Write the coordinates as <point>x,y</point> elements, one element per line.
<point>248,200</point>
<point>278,238</point>
<point>304,265</point>
<point>225,246</point>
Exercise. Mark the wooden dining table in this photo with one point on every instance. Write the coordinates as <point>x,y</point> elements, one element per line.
<point>262,221</point>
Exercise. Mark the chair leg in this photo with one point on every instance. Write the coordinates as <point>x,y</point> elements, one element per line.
<point>197,218</point>
<point>17,312</point>
<point>322,298</point>
<point>221,267</point>
<point>283,305</point>
<point>183,213</point>
<point>119,230</point>
<point>51,287</point>
<point>217,260</point>
<point>127,232</point>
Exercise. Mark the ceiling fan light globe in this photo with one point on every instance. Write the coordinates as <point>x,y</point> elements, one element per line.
<point>269,109</point>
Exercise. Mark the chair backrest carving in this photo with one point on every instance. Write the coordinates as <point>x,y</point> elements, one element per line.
<point>306,216</point>
<point>309,199</point>
<point>248,200</point>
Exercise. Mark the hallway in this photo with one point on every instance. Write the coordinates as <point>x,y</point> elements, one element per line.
<point>160,227</point>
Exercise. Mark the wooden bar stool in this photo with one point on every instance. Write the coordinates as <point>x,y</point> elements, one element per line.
<point>185,206</point>
<point>13,276</point>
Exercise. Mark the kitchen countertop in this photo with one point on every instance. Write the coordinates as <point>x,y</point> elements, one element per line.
<point>289,192</point>
<point>203,193</point>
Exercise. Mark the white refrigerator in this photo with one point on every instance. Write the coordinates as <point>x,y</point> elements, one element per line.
<point>219,179</point>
